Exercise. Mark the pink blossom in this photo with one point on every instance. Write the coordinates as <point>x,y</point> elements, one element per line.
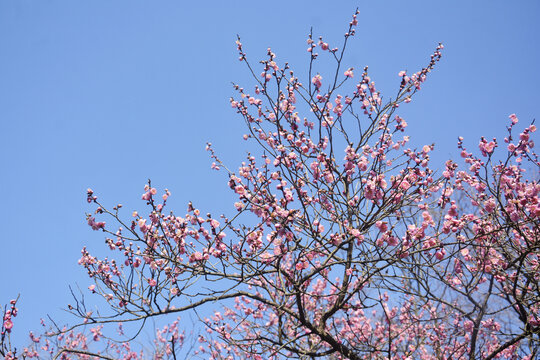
<point>489,147</point>
<point>490,205</point>
<point>404,185</point>
<point>146,196</point>
<point>440,254</point>
<point>317,81</point>
<point>514,119</point>
<point>94,224</point>
<point>238,205</point>
<point>355,232</point>
<point>381,225</point>
<point>96,333</point>
<point>196,256</point>
<point>392,241</point>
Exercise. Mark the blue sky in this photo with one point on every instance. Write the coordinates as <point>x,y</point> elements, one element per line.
<point>106,94</point>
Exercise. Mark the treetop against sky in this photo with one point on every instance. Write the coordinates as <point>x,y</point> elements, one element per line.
<point>108,96</point>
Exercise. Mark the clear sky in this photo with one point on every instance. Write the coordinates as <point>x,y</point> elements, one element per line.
<point>106,94</point>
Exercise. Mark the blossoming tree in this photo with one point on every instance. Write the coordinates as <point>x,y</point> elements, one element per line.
<point>344,242</point>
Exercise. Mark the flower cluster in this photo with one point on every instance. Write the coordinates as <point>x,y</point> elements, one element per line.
<point>344,242</point>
